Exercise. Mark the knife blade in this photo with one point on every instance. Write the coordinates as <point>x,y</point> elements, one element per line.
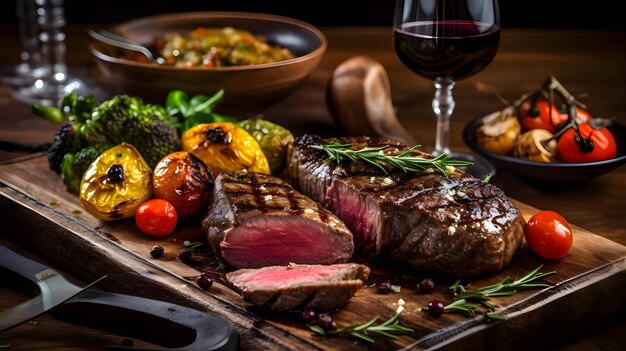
<point>53,287</point>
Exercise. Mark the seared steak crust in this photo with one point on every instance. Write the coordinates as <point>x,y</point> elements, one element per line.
<point>258,220</point>
<point>455,224</point>
<point>286,288</point>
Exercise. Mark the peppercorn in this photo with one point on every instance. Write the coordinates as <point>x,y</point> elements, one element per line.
<point>326,321</point>
<point>436,308</point>
<point>309,315</point>
<point>204,281</point>
<point>425,286</point>
<point>384,287</point>
<point>185,255</point>
<point>157,251</point>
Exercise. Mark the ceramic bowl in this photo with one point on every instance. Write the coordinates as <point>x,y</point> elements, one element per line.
<point>248,89</point>
<point>554,173</point>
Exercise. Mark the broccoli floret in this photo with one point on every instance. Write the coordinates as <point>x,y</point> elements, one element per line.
<point>120,119</point>
<point>74,165</point>
<point>145,126</point>
<point>66,140</point>
<point>153,139</point>
<point>78,108</point>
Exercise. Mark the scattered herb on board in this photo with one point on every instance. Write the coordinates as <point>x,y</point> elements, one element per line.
<point>390,328</point>
<point>468,301</point>
<point>375,156</point>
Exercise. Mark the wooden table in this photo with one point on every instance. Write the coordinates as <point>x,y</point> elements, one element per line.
<point>589,63</point>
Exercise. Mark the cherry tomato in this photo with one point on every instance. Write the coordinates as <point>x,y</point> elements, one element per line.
<point>586,145</point>
<point>582,116</point>
<point>549,235</point>
<point>156,217</point>
<point>544,116</point>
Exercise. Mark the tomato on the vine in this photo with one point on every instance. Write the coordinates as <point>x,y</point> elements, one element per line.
<point>542,116</point>
<point>582,116</point>
<point>586,144</point>
<point>156,217</point>
<point>548,235</point>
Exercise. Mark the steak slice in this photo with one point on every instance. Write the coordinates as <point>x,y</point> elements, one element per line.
<point>292,287</point>
<point>258,220</point>
<point>453,224</point>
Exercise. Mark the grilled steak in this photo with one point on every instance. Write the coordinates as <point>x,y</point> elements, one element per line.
<point>258,220</point>
<point>455,224</point>
<point>286,288</point>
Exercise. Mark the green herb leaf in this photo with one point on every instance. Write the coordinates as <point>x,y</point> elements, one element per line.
<point>375,156</point>
<point>186,112</point>
<point>390,329</point>
<point>468,302</point>
<point>316,329</point>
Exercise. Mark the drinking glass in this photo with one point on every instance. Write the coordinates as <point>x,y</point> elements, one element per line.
<point>52,81</point>
<point>446,41</point>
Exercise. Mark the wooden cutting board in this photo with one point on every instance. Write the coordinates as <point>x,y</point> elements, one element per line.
<point>588,287</point>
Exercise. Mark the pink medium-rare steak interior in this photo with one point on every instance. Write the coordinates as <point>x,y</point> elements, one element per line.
<point>258,220</point>
<point>296,287</point>
<point>360,215</point>
<point>266,241</point>
<point>284,277</point>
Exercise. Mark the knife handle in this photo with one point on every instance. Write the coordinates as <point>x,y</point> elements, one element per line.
<point>158,322</point>
<point>27,268</point>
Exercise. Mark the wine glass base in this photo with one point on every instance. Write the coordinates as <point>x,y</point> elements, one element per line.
<point>47,94</point>
<point>21,75</point>
<point>481,168</point>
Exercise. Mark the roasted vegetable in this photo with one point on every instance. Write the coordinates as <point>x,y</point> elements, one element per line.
<point>116,183</point>
<point>145,126</point>
<point>225,146</point>
<point>119,119</point>
<point>273,140</point>
<point>499,132</point>
<point>66,141</point>
<point>75,164</point>
<point>536,145</point>
<point>587,143</point>
<point>184,181</point>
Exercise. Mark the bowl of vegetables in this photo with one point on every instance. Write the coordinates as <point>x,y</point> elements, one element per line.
<point>258,59</point>
<point>549,137</point>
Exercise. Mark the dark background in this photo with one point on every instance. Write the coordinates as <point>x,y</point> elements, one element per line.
<point>514,13</point>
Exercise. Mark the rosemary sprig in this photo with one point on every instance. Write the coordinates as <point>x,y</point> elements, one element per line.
<point>375,156</point>
<point>469,302</point>
<point>390,328</point>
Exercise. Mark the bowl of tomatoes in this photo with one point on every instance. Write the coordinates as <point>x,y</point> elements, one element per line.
<point>548,136</point>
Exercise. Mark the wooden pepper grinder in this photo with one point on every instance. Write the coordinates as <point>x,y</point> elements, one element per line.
<point>359,99</point>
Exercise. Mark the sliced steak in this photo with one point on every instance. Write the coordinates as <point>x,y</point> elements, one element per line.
<point>292,287</point>
<point>453,224</point>
<point>258,220</point>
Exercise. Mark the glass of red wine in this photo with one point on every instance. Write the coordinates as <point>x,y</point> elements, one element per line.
<point>446,41</point>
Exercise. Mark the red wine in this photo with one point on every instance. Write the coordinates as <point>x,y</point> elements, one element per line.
<point>446,49</point>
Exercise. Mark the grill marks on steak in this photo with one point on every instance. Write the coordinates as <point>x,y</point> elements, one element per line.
<point>259,220</point>
<point>286,288</point>
<point>454,224</point>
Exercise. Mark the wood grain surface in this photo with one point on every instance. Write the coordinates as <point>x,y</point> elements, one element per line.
<point>47,219</point>
<point>589,63</point>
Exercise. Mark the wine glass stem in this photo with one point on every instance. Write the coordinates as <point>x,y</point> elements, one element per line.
<point>443,105</point>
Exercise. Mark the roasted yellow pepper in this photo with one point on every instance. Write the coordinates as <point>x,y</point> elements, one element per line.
<point>225,146</point>
<point>273,139</point>
<point>116,183</point>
